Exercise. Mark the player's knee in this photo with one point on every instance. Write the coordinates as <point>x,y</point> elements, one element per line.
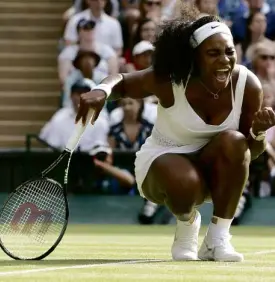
<point>184,193</point>
<point>234,147</point>
<point>179,210</point>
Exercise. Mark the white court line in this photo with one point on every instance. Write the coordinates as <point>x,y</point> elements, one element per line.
<point>81,266</point>
<point>264,252</point>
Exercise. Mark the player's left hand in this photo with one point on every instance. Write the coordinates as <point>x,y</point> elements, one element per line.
<point>263,120</point>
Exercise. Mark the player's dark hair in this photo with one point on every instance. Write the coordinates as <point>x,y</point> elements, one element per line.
<point>174,56</point>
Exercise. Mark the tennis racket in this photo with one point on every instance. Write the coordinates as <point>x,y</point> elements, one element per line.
<point>34,218</point>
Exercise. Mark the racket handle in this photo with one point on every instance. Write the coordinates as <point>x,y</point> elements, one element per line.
<point>78,131</point>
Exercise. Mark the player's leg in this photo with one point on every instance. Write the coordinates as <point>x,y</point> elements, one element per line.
<point>173,180</point>
<point>226,161</point>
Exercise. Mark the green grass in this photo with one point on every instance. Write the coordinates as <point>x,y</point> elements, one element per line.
<point>127,253</point>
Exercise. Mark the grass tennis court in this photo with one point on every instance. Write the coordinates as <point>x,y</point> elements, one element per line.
<point>141,253</point>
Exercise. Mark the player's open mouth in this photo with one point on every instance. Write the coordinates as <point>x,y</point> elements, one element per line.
<point>222,75</point>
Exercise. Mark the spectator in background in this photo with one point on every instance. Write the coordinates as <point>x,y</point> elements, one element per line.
<point>263,62</point>
<point>207,7</point>
<point>255,33</point>
<point>108,59</point>
<point>132,131</point>
<point>107,29</point>
<point>130,126</point>
<point>57,131</point>
<point>145,30</point>
<point>77,7</point>
<point>110,179</point>
<point>142,57</point>
<point>85,65</point>
<point>151,9</point>
<point>240,22</point>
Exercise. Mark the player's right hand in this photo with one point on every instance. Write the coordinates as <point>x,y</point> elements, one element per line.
<point>94,99</point>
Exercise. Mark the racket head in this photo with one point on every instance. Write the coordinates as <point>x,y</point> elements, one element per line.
<point>34,219</point>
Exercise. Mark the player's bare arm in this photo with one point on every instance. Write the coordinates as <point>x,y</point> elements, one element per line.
<point>137,85</point>
<point>254,117</point>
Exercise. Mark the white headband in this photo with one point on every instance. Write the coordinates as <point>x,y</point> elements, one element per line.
<point>206,31</point>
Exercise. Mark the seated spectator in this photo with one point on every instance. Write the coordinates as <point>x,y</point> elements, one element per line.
<point>58,130</point>
<point>110,179</point>
<point>151,9</point>
<point>255,33</point>
<point>108,59</point>
<point>77,7</point>
<point>149,113</point>
<point>145,30</point>
<point>85,65</point>
<point>131,132</point>
<point>142,57</point>
<point>107,29</point>
<point>240,22</point>
<point>263,62</point>
<point>135,120</point>
<point>81,5</point>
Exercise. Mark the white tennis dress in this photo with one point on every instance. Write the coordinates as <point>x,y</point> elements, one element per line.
<point>180,130</point>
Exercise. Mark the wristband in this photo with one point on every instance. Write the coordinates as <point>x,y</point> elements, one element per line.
<point>259,137</point>
<point>105,88</point>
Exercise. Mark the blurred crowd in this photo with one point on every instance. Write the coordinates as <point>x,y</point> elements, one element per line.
<point>103,37</point>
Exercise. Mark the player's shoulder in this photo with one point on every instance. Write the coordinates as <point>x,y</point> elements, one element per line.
<point>252,84</point>
<point>81,15</point>
<point>109,19</point>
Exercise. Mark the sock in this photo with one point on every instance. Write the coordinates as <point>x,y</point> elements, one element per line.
<point>218,228</point>
<point>188,218</point>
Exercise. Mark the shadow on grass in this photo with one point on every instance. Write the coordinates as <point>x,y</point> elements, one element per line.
<point>74,262</point>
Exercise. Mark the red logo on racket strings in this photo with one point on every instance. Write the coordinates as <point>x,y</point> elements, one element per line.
<point>30,219</point>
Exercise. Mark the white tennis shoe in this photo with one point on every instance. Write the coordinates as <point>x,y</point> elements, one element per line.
<point>219,249</point>
<point>185,245</point>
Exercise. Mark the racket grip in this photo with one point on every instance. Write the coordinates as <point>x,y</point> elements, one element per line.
<point>78,131</point>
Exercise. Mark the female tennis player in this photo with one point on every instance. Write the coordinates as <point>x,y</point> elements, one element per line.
<point>210,125</point>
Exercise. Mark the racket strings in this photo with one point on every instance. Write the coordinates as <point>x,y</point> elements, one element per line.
<point>33,217</point>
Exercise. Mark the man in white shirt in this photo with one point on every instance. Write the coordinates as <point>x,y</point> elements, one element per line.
<point>87,42</point>
<point>107,30</point>
<point>58,130</point>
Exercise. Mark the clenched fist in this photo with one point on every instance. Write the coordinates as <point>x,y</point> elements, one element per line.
<point>263,120</point>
